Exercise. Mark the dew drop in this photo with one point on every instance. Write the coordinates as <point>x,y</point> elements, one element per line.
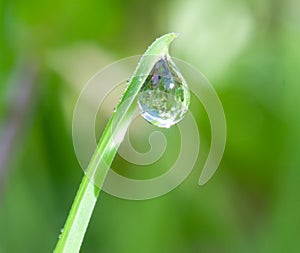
<point>61,231</point>
<point>164,97</point>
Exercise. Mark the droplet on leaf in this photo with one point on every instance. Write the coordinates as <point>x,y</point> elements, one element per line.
<point>164,97</point>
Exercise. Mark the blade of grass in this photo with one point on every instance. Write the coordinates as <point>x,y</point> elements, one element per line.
<point>75,227</point>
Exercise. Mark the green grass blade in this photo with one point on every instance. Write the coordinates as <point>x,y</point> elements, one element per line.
<point>73,233</point>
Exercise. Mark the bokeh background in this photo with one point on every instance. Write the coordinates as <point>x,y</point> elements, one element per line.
<point>248,49</point>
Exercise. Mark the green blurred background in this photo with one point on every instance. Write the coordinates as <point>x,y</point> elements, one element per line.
<point>248,49</point>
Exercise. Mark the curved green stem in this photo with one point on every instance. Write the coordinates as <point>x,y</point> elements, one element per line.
<point>75,227</point>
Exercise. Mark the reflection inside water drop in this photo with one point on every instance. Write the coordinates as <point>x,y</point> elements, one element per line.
<point>164,97</point>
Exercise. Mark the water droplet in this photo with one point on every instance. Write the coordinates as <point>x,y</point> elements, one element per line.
<point>164,97</point>
<point>61,231</point>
